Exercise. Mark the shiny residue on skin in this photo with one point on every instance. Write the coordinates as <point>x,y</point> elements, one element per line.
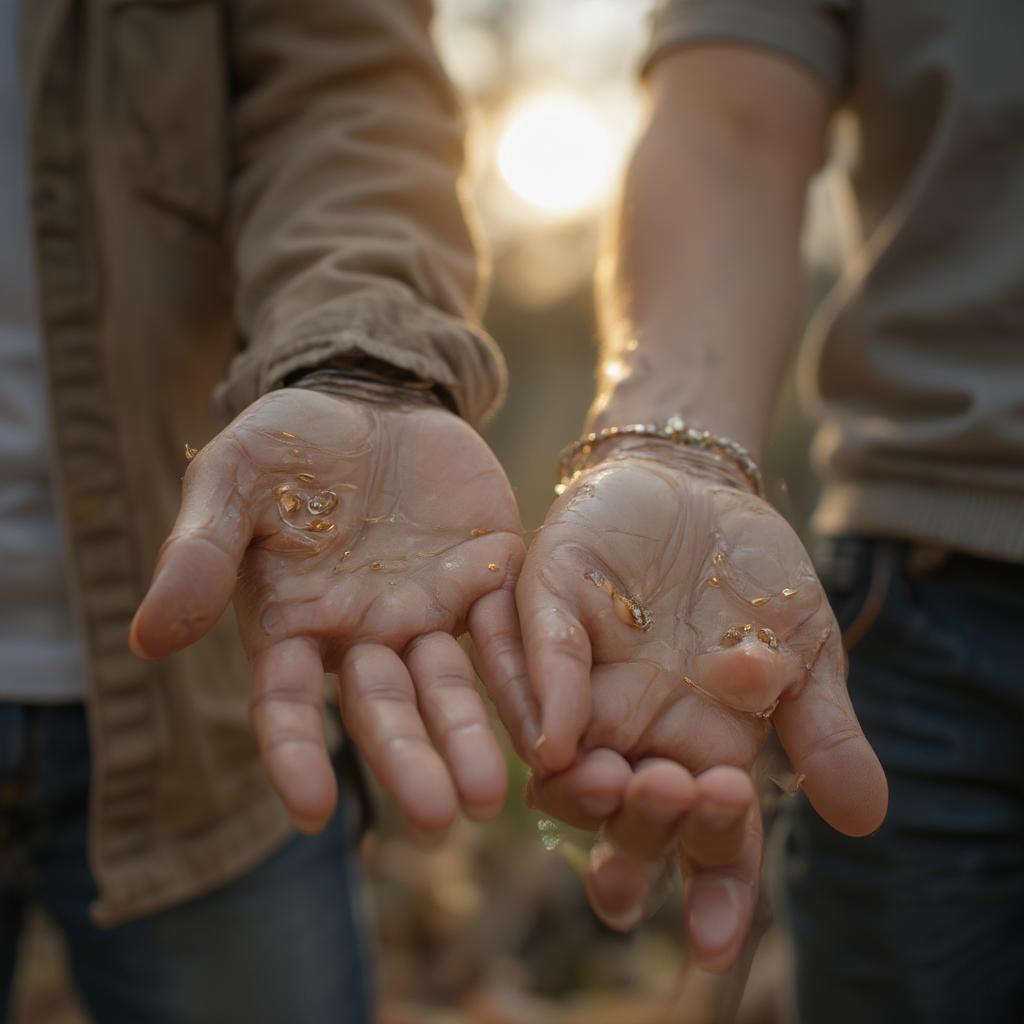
<point>550,833</point>
<point>493,567</point>
<point>294,506</point>
<point>321,504</point>
<point>818,647</point>
<point>764,714</point>
<point>790,786</point>
<point>628,610</point>
<point>190,452</point>
<point>731,637</point>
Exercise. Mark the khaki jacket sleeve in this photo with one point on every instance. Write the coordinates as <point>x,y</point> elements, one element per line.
<point>350,237</point>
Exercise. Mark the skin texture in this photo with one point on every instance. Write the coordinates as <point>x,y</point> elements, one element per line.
<point>699,296</point>
<point>714,567</point>
<point>652,732</point>
<point>423,542</point>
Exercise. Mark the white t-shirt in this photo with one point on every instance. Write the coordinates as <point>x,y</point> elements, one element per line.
<point>41,658</point>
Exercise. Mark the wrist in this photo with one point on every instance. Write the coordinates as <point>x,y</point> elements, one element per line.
<point>677,443</point>
<point>370,380</point>
<point>719,419</point>
<point>646,383</point>
<point>689,462</point>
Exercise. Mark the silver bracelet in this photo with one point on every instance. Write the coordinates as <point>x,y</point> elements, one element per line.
<point>676,430</point>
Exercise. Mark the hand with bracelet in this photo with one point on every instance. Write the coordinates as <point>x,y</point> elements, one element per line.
<point>360,527</point>
<point>670,616</point>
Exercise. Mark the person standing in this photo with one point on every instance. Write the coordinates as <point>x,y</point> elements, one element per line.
<point>917,360</point>
<point>259,198</point>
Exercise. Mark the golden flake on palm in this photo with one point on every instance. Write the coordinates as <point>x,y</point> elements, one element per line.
<point>628,610</point>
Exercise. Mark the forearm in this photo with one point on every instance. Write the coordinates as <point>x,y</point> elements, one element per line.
<point>700,289</point>
<point>350,239</point>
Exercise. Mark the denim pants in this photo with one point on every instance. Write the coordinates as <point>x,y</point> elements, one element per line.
<point>284,943</point>
<point>924,920</point>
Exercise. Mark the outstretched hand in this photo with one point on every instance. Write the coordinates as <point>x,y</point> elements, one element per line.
<point>359,539</point>
<point>669,618</point>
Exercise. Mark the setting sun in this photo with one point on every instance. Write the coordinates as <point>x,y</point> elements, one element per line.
<point>556,153</point>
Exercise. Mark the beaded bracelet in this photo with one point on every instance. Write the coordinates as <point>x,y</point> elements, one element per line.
<point>676,430</point>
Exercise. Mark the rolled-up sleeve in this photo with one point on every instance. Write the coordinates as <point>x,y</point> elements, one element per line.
<point>350,237</point>
<point>814,33</point>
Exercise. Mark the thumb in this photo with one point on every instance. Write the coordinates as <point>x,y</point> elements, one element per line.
<point>197,568</point>
<point>843,778</point>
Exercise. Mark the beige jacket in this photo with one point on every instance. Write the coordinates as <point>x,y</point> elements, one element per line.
<point>223,192</point>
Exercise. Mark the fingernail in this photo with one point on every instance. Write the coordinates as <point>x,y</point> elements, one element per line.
<point>715,911</point>
<point>618,893</point>
<point>529,736</point>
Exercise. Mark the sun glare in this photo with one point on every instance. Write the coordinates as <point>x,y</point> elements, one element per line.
<point>556,152</point>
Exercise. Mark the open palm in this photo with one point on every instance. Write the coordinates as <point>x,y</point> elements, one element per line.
<point>667,613</point>
<point>359,539</point>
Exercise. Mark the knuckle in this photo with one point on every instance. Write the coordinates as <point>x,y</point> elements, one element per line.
<point>829,743</point>
<point>466,728</point>
<point>450,680</point>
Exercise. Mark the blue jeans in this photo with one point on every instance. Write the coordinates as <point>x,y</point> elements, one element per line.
<point>284,943</point>
<point>924,920</point>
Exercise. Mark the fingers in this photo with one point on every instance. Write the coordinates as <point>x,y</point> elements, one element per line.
<point>585,795</point>
<point>456,721</point>
<point>476,569</point>
<point>378,705</point>
<point>286,710</point>
<point>658,796</point>
<point>558,658</point>
<point>714,822</point>
<point>818,726</point>
<point>619,887</point>
<point>721,846</point>
<point>198,564</point>
<point>628,861</point>
<point>499,658</point>
<point>843,778</point>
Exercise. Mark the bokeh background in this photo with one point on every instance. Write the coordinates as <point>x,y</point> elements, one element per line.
<point>493,927</point>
